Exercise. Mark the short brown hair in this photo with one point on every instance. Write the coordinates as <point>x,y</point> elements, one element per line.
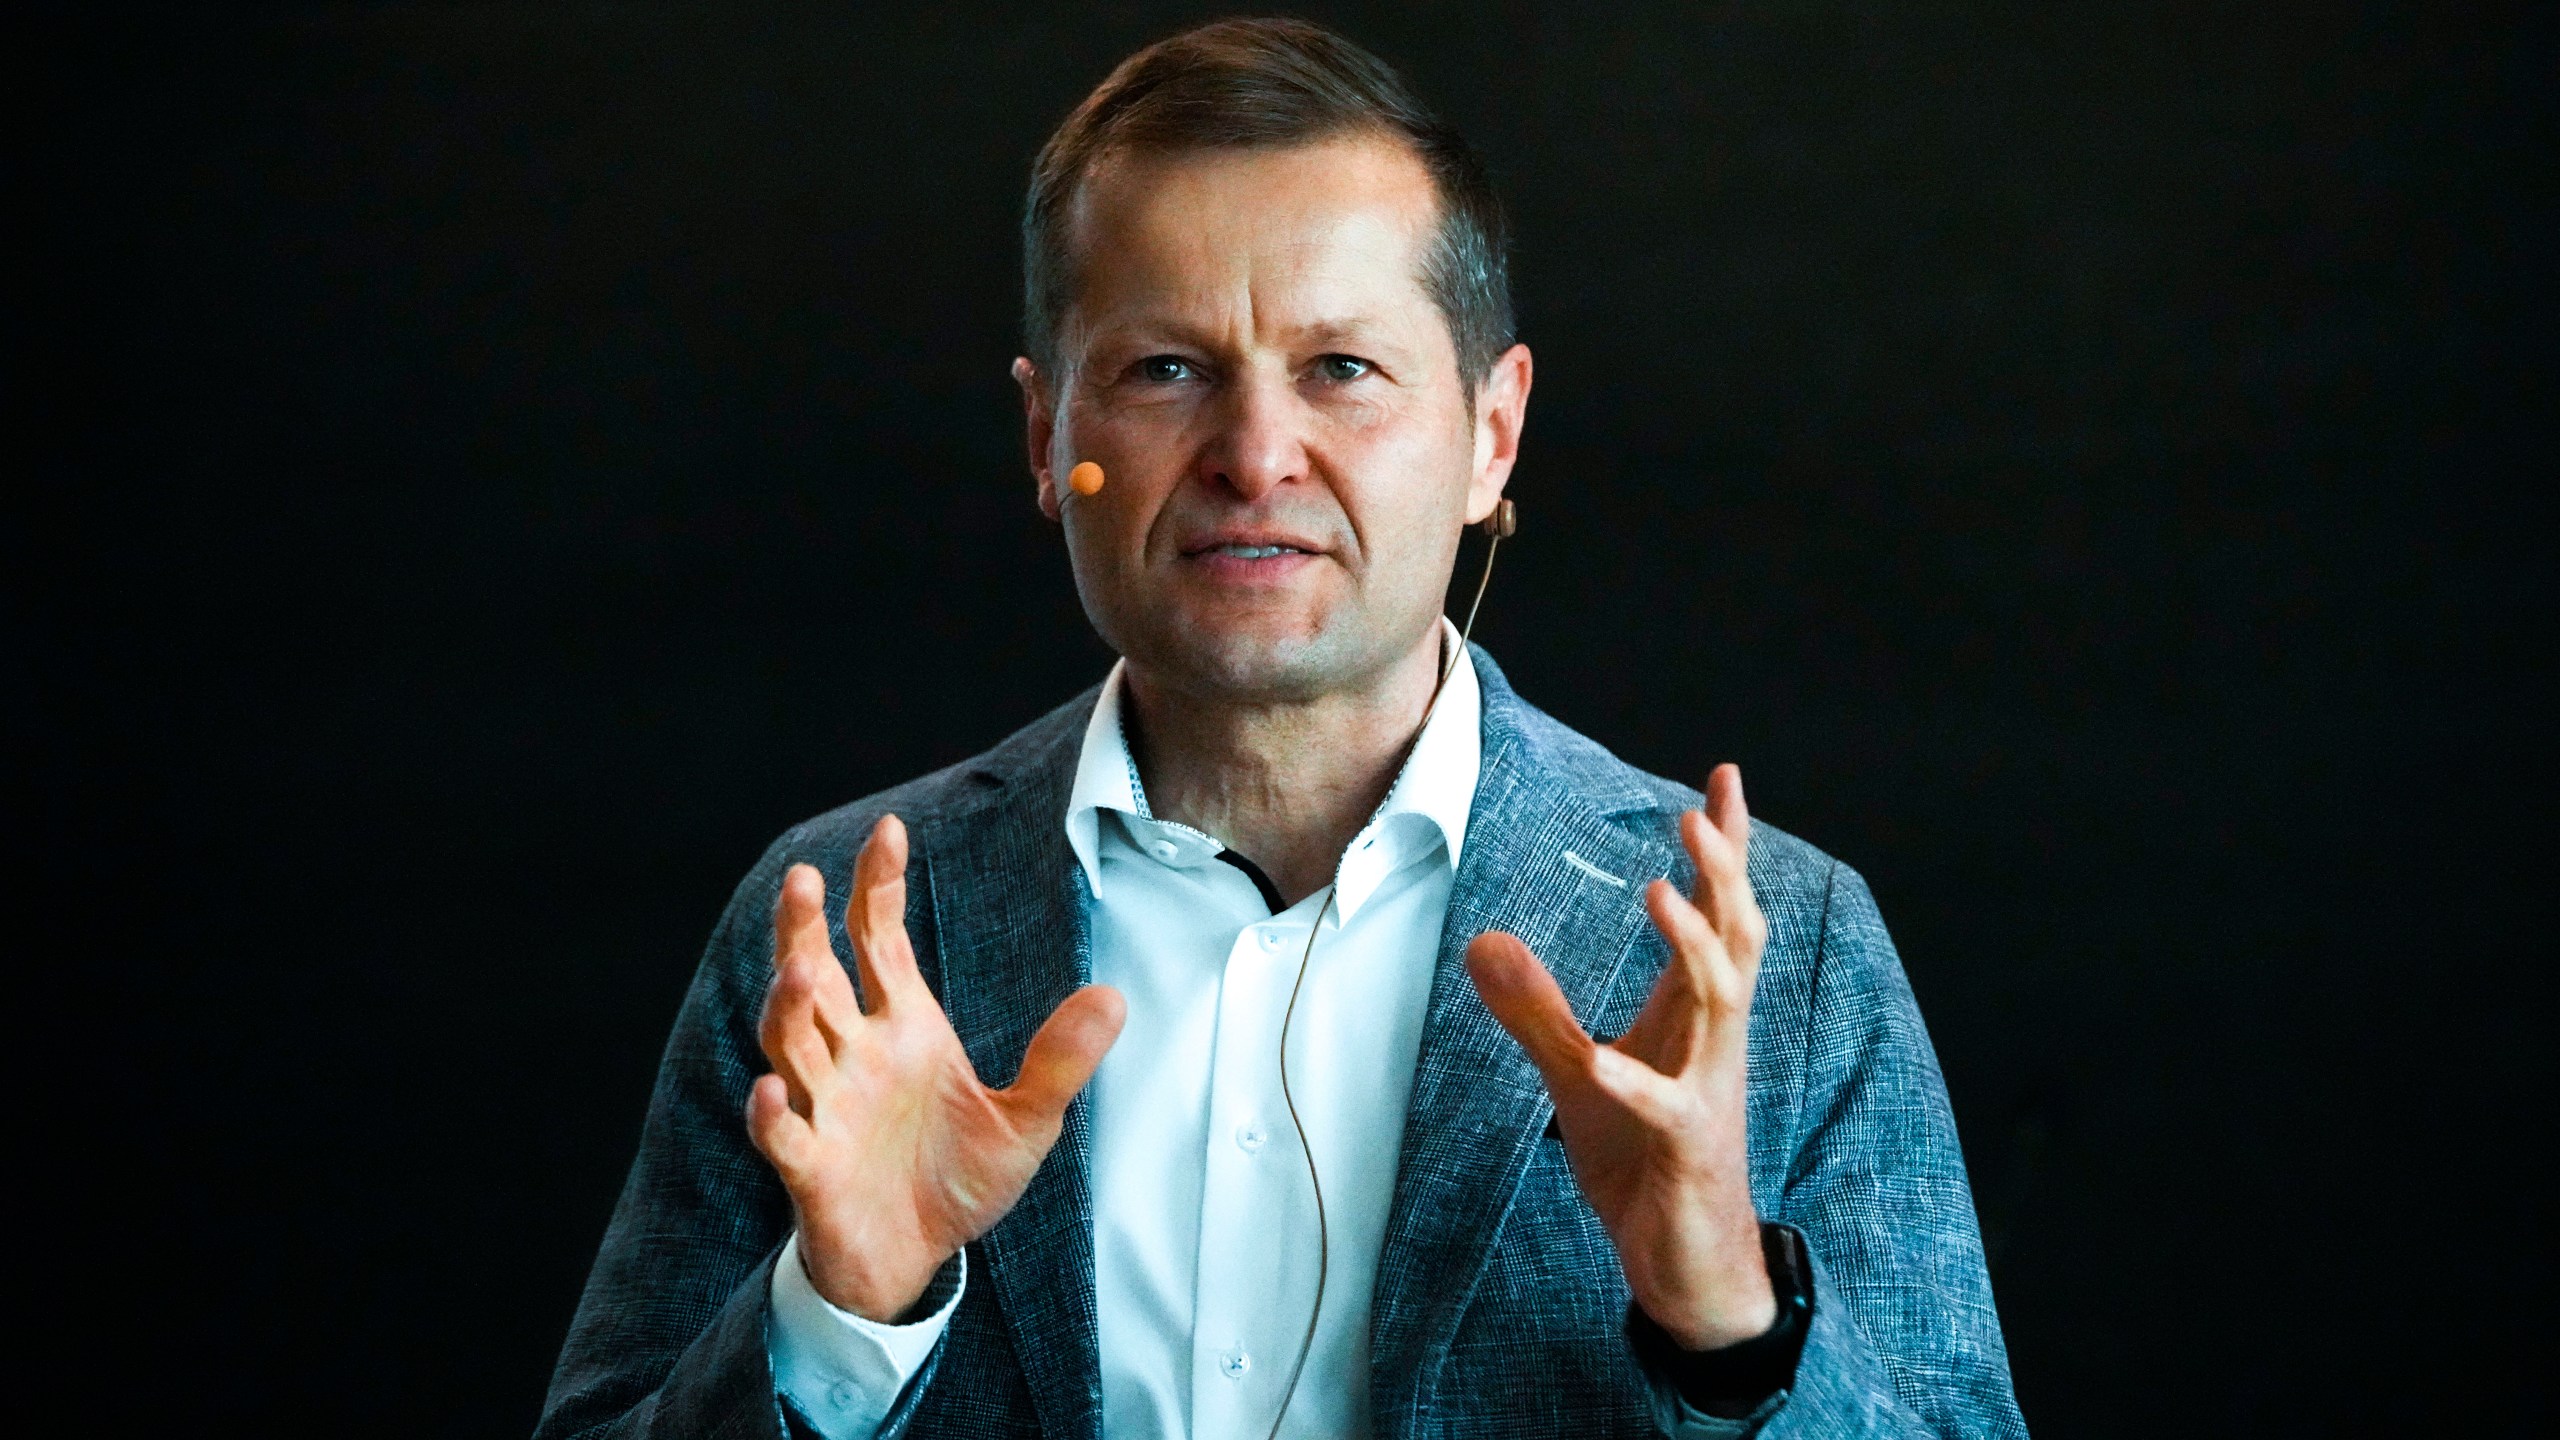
<point>1244,84</point>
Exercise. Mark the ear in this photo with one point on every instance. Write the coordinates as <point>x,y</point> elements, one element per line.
<point>1502,408</point>
<point>1039,427</point>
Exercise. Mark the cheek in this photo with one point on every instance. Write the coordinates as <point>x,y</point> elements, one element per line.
<point>1135,441</point>
<point>1407,475</point>
<point>1144,450</point>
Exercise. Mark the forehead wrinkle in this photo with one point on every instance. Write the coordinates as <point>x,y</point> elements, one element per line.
<point>1186,233</point>
<point>1242,309</point>
<point>1297,304</point>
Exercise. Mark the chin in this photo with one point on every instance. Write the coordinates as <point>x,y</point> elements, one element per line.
<point>1260,667</point>
<point>1253,664</point>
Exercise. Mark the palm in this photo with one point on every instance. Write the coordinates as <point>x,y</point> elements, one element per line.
<point>1620,1151</point>
<point>895,1154</point>
<point>908,1149</point>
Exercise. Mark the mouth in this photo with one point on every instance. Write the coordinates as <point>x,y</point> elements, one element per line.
<point>1252,558</point>
<point>1247,542</point>
<point>1251,552</point>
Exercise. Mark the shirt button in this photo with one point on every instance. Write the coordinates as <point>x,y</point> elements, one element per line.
<point>1235,1363</point>
<point>1250,1135</point>
<point>1166,850</point>
<point>1270,940</point>
<point>842,1395</point>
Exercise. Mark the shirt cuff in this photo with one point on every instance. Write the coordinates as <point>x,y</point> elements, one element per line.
<point>841,1372</point>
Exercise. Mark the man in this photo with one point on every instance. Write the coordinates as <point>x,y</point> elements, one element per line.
<point>1327,916</point>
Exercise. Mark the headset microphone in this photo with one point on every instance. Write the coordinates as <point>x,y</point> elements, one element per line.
<point>1500,525</point>
<point>1086,478</point>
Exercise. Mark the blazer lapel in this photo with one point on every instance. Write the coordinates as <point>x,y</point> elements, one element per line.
<point>1012,942</point>
<point>1478,1106</point>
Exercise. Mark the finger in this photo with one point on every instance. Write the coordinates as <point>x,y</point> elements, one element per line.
<point>1064,1054</point>
<point>1706,964</point>
<point>1723,892</point>
<point>875,918</point>
<point>790,1003</point>
<point>1672,1028</point>
<point>789,1030</point>
<point>1725,807</point>
<point>1531,1006</point>
<point>781,1135</point>
<point>1732,817</point>
<point>800,915</point>
<point>801,947</point>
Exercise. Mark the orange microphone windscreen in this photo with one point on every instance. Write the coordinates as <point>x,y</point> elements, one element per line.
<point>1086,478</point>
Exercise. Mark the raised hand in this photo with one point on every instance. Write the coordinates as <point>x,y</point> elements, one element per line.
<point>1653,1121</point>
<point>895,1155</point>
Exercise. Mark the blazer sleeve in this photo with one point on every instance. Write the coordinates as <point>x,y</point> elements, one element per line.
<point>1903,1339</point>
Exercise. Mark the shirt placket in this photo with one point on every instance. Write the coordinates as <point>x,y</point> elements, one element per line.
<point>1257,1221</point>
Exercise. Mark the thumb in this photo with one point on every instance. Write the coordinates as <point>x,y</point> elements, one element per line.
<point>1063,1055</point>
<point>1526,999</point>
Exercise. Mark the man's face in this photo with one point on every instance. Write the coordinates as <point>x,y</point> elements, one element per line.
<point>1252,358</point>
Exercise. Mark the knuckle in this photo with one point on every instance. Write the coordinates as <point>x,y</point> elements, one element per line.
<point>790,985</point>
<point>1689,927</point>
<point>1732,992</point>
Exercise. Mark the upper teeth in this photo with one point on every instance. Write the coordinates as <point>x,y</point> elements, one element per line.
<point>1252,552</point>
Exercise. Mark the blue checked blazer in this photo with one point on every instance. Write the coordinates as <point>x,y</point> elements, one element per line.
<point>1500,1308</point>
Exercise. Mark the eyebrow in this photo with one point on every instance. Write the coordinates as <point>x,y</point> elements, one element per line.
<point>1320,332</point>
<point>1335,332</point>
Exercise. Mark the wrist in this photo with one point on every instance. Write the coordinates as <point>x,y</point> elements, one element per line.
<point>1714,1292</point>
<point>882,1295</point>
<point>1730,1318</point>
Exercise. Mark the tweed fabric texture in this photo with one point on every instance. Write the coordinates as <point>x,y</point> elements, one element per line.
<point>1499,1308</point>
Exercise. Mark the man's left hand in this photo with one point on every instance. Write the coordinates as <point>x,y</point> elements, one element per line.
<point>1653,1120</point>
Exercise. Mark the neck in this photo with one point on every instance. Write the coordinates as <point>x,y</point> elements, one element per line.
<point>1287,785</point>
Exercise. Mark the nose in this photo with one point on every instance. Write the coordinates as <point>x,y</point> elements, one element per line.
<point>1259,445</point>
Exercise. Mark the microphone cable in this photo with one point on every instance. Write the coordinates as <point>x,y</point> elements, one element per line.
<point>1504,521</point>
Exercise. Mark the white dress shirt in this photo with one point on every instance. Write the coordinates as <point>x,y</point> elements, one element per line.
<point>1204,1220</point>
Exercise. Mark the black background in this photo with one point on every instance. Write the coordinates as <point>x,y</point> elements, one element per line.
<point>495,467</point>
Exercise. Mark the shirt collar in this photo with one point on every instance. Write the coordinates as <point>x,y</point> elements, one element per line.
<point>1428,804</point>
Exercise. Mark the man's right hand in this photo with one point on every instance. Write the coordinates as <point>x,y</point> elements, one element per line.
<point>895,1155</point>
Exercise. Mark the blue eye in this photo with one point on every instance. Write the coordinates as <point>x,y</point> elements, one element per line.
<point>1343,367</point>
<point>1164,369</point>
